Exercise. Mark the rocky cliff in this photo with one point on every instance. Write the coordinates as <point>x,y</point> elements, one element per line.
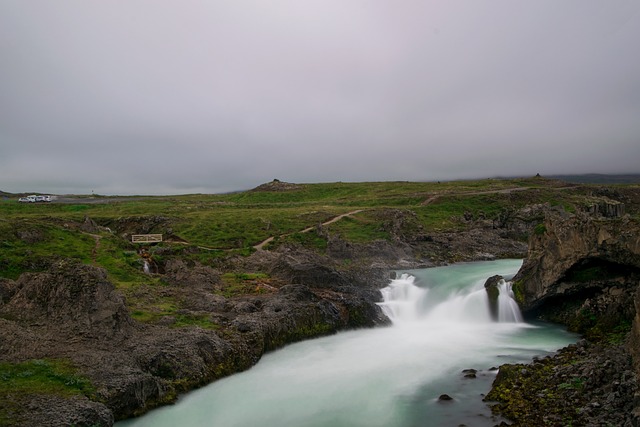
<point>582,270</point>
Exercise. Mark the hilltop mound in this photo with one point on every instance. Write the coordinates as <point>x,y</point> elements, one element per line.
<point>277,185</point>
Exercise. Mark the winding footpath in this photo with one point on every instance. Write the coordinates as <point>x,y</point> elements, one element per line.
<point>260,246</point>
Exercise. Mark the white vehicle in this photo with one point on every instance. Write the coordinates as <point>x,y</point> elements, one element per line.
<point>33,199</point>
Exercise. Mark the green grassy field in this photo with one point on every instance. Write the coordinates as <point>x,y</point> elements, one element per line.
<point>233,223</point>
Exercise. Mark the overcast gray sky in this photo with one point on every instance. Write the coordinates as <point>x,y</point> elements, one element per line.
<point>166,97</point>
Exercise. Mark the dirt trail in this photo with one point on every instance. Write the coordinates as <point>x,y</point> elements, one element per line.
<point>260,246</point>
<point>473,193</point>
<point>94,251</point>
<point>429,200</point>
<point>331,221</point>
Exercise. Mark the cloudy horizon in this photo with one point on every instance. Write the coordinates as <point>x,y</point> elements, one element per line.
<point>147,97</point>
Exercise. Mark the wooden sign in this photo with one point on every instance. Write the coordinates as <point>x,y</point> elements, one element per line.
<point>146,238</point>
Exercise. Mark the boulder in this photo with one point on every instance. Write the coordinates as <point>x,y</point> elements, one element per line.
<point>493,292</point>
<point>78,296</point>
<point>178,273</point>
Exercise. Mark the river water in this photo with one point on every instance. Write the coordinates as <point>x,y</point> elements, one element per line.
<point>386,377</point>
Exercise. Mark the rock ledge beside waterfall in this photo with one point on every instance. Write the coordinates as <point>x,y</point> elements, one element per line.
<point>582,270</point>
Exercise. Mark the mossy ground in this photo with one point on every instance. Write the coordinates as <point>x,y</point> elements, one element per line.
<point>18,381</point>
<point>567,389</point>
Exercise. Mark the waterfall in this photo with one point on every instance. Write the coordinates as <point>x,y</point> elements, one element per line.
<point>145,267</point>
<point>380,377</point>
<point>404,301</point>
<point>508,310</point>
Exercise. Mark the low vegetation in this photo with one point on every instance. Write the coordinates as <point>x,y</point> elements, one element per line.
<point>19,381</point>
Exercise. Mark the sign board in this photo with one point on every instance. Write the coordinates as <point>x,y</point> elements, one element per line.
<point>146,238</point>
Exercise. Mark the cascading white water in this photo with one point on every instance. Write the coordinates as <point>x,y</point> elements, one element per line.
<point>404,301</point>
<point>381,377</point>
<point>145,267</point>
<point>508,310</point>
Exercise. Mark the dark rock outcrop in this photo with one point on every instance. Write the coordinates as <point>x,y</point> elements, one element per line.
<point>307,268</point>
<point>493,292</point>
<point>583,385</point>
<point>54,411</point>
<point>568,253</point>
<point>69,294</point>
<point>177,272</point>
<point>582,270</point>
<point>126,226</point>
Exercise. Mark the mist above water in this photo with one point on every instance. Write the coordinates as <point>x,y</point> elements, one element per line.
<point>388,376</point>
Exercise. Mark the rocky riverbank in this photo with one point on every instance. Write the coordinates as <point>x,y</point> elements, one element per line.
<point>72,312</point>
<point>585,384</point>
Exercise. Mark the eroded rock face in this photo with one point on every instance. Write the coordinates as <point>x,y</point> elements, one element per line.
<point>570,253</point>
<point>69,294</point>
<point>71,312</point>
<point>177,272</point>
<point>53,411</point>
<point>583,270</point>
<point>634,346</point>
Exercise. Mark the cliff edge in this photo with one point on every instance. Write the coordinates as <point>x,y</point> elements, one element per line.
<point>582,270</point>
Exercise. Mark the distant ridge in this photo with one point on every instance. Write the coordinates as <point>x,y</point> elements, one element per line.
<point>595,178</point>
